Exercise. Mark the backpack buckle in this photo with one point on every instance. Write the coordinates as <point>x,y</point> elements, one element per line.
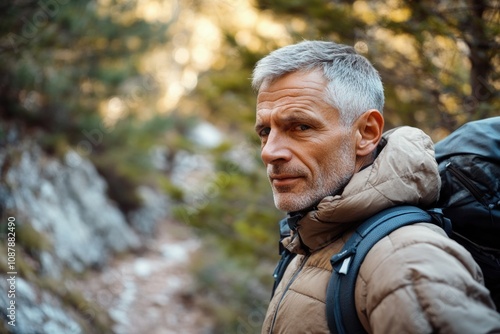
<point>341,261</point>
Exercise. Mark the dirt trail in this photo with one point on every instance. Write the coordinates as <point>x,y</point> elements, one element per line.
<point>143,294</point>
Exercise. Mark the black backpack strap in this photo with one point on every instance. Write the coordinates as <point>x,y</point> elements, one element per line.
<point>441,220</point>
<point>286,255</point>
<point>340,304</point>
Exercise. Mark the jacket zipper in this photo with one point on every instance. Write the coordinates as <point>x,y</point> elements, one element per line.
<point>286,290</point>
<point>471,187</point>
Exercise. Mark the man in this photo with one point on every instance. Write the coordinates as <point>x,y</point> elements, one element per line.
<point>319,118</point>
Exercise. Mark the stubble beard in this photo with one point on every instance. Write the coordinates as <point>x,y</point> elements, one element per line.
<point>330,183</point>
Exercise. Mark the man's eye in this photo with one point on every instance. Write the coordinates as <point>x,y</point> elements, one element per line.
<point>264,132</point>
<point>303,127</point>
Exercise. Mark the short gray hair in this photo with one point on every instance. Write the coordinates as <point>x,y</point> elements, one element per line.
<point>354,85</point>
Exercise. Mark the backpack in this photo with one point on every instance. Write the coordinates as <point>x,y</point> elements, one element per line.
<point>469,166</point>
<point>468,210</point>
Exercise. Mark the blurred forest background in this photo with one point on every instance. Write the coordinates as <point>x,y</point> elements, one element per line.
<point>156,94</point>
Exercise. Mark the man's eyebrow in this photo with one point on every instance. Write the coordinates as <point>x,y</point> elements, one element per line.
<point>289,117</point>
<point>297,116</point>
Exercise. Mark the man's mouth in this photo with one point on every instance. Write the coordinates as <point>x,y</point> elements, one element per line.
<point>283,180</point>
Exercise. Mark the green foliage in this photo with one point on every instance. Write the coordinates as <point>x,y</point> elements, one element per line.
<point>174,192</point>
<point>123,154</point>
<point>234,214</point>
<point>230,291</point>
<point>31,240</point>
<point>55,144</point>
<point>236,209</point>
<point>61,62</point>
<point>437,61</point>
<point>228,97</point>
<point>324,18</point>
<point>224,94</point>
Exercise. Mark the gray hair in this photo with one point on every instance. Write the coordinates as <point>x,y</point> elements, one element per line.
<point>354,85</point>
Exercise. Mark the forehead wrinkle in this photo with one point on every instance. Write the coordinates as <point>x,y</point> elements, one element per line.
<point>286,104</point>
<point>287,93</point>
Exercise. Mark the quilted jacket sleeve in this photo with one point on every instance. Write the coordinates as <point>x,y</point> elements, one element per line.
<point>419,281</point>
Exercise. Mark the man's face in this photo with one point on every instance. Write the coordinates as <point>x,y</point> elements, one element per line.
<point>307,152</point>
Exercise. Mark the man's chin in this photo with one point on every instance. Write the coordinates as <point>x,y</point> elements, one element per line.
<point>291,203</point>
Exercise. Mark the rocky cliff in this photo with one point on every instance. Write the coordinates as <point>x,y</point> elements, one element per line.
<point>57,223</point>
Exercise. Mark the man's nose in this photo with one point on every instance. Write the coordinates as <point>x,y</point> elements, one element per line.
<point>276,149</point>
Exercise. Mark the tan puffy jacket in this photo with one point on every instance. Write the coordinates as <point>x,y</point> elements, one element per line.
<point>415,280</point>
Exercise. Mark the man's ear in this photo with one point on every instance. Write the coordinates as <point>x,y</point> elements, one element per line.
<point>369,128</point>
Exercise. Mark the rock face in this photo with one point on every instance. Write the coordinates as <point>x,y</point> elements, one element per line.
<point>64,202</point>
<point>38,311</point>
